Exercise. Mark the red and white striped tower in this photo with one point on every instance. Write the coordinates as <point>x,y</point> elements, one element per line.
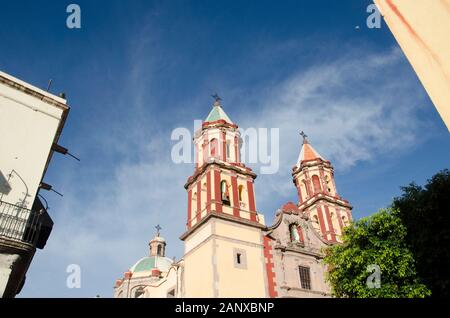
<point>221,183</point>
<point>223,242</point>
<point>313,177</point>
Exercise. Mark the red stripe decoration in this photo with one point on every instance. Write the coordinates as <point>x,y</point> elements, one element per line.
<point>234,188</point>
<point>189,208</point>
<point>217,195</point>
<point>330,223</point>
<point>199,200</point>
<point>269,268</point>
<point>251,201</point>
<point>299,191</point>
<point>208,191</point>
<point>224,146</point>
<point>321,222</point>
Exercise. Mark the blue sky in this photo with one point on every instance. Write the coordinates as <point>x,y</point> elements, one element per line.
<point>136,70</point>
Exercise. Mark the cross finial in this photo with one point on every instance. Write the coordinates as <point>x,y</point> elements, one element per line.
<point>158,228</point>
<point>305,137</point>
<point>217,99</point>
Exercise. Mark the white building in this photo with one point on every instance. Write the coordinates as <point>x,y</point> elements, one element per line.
<point>31,121</point>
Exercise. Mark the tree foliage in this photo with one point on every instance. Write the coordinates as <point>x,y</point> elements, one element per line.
<point>376,240</point>
<point>425,212</point>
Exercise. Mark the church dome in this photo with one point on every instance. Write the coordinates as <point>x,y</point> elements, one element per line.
<point>149,263</point>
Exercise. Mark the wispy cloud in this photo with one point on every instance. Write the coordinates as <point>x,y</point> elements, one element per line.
<point>361,107</point>
<point>352,109</point>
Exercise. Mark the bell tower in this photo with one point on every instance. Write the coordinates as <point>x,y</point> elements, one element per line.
<point>223,239</point>
<point>220,183</point>
<point>313,177</point>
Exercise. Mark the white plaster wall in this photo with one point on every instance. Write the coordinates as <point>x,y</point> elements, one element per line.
<point>28,127</point>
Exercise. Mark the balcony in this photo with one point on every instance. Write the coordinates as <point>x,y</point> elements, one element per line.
<point>23,225</point>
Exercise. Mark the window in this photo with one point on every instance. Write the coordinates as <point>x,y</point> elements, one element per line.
<point>224,192</point>
<point>295,237</point>
<point>159,253</point>
<point>240,258</point>
<point>228,149</point>
<point>171,293</point>
<point>306,188</point>
<point>327,181</point>
<point>139,292</point>
<point>344,220</point>
<point>240,189</point>
<point>214,147</point>
<point>316,183</point>
<point>5,188</point>
<point>305,279</point>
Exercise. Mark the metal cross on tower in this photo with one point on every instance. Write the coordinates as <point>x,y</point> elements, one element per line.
<point>305,136</point>
<point>217,98</point>
<point>158,228</point>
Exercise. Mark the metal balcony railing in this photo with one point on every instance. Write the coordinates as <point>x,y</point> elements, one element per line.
<point>19,223</point>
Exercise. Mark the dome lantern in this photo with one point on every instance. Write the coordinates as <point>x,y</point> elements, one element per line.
<point>157,244</point>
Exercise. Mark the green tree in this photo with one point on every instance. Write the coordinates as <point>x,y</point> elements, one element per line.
<point>380,240</point>
<point>425,212</point>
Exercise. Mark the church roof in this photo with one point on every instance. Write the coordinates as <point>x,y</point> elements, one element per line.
<point>307,153</point>
<point>148,263</point>
<point>217,113</point>
<point>290,207</point>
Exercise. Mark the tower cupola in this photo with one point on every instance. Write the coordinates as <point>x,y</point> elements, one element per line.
<point>157,244</point>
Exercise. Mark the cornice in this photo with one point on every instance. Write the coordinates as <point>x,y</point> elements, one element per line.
<point>223,216</point>
<point>228,166</point>
<point>320,196</point>
<point>29,91</point>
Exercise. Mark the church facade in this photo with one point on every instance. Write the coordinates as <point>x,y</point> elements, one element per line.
<point>229,251</point>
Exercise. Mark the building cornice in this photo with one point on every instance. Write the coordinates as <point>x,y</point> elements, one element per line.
<point>311,163</point>
<point>297,250</point>
<point>288,288</point>
<point>217,124</point>
<point>229,166</point>
<point>320,196</point>
<point>223,216</point>
<point>36,93</point>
